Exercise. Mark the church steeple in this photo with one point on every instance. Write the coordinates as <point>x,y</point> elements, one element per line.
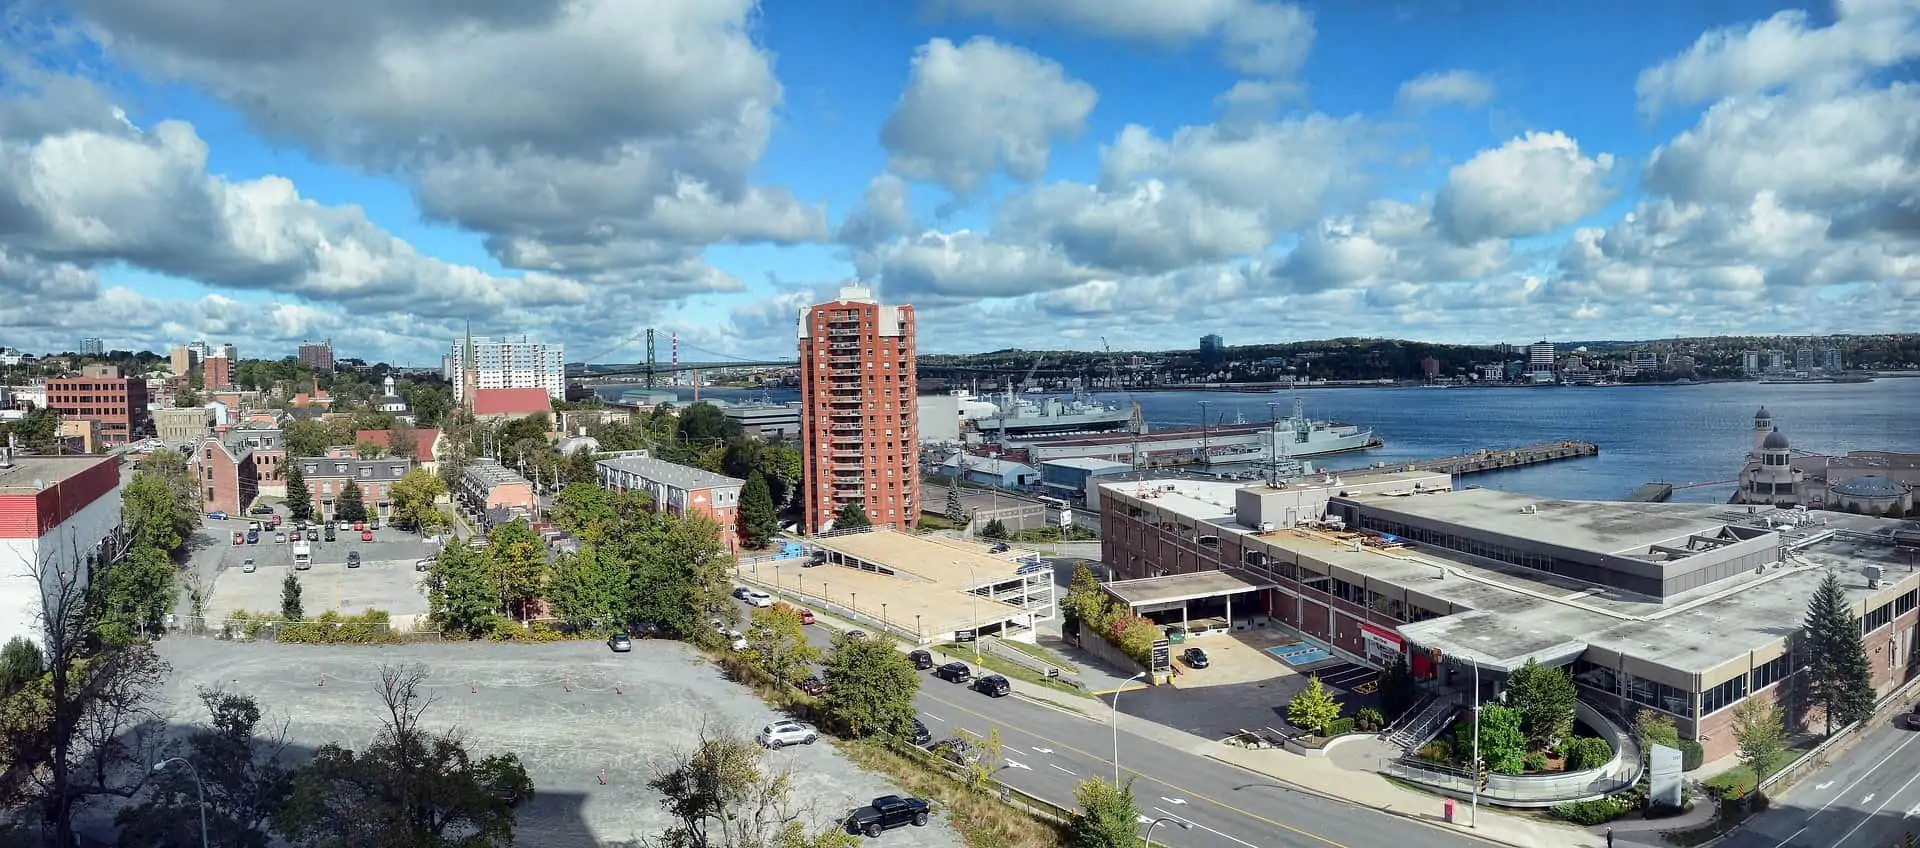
<point>469,370</point>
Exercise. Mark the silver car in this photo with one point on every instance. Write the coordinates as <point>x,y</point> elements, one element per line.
<point>783,733</point>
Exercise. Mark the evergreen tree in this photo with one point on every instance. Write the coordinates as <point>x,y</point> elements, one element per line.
<point>1839,673</point>
<point>299,498</point>
<point>352,505</point>
<point>852,516</point>
<point>758,522</point>
<point>994,530</point>
<point>955,512</point>
<point>290,608</point>
<point>1544,696</point>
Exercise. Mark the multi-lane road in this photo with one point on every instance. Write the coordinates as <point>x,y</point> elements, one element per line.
<point>1048,751</point>
<point>1869,796</point>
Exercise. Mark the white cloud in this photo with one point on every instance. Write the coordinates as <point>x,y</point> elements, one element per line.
<point>1441,88</point>
<point>1784,52</point>
<point>1258,38</point>
<point>1153,228</point>
<point>1289,170</point>
<point>965,265</point>
<point>1531,185</point>
<point>981,107</point>
<point>883,213</point>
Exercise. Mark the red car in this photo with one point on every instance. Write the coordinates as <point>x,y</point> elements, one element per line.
<point>359,525</point>
<point>366,535</point>
<point>806,616</point>
<point>239,538</point>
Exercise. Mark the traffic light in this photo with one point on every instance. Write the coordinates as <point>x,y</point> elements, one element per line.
<point>1483,778</point>
<point>1909,839</point>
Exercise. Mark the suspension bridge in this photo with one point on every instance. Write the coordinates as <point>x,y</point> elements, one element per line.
<point>652,368</point>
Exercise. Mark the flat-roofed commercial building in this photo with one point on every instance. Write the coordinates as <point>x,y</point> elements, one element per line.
<point>118,404</point>
<point>55,514</point>
<point>1682,608</point>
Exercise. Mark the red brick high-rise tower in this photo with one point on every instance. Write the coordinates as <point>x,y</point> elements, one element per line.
<point>857,419</point>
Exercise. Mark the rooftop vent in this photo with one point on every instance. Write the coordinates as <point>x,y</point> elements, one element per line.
<point>1529,509</point>
<point>1872,573</point>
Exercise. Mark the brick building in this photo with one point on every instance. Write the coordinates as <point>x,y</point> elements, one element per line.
<point>227,474</point>
<point>54,511</point>
<point>318,356</point>
<point>327,478</point>
<point>117,404</point>
<point>488,488</point>
<point>216,372</point>
<point>857,398</point>
<point>680,490</point>
<point>183,425</point>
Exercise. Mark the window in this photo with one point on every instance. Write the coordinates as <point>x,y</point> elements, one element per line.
<point>1877,619</point>
<point>1658,695</point>
<point>1723,696</point>
<point>1904,604</point>
<point>1772,672</point>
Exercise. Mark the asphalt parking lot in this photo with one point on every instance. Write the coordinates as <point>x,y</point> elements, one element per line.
<point>385,580</point>
<point>573,712</point>
<point>1216,708</point>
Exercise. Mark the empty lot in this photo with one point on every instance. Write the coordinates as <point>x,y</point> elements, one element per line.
<point>386,579</point>
<point>556,706</point>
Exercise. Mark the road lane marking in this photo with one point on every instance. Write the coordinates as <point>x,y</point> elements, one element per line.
<point>1849,787</point>
<point>934,717</point>
<point>1914,811</point>
<point>1173,800</point>
<point>1822,787</point>
<point>1868,799</point>
<point>1190,793</point>
<point>1019,765</point>
<point>1042,750</point>
<point>1192,823</point>
<point>1070,771</point>
<point>1876,810</point>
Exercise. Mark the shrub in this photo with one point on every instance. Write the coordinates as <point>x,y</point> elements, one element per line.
<point>1597,811</point>
<point>1369,719</point>
<point>1134,636</point>
<point>1585,752</point>
<point>373,627</point>
<point>1340,727</point>
<point>1691,754</point>
<point>1534,761</point>
<point>505,629</point>
<point>1435,752</point>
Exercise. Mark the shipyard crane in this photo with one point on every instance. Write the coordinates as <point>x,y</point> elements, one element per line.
<point>1139,418</point>
<point>1027,381</point>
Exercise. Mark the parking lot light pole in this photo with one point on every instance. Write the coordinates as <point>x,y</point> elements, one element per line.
<point>1148,838</point>
<point>1116,727</point>
<point>199,788</point>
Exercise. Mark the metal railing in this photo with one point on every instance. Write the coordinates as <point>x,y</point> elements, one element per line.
<point>1537,790</point>
<point>1031,662</point>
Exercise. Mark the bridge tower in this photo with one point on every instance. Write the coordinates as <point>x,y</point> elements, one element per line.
<point>650,359</point>
<point>673,341</point>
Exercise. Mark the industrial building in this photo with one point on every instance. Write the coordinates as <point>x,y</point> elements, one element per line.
<point>1682,608</point>
<point>858,427</point>
<point>55,511</point>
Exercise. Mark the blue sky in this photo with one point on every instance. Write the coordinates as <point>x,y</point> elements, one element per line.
<point>557,170</point>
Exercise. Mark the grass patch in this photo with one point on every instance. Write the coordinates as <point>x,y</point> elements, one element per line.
<point>982,819</point>
<point>1041,654</point>
<point>1013,671</point>
<point>936,522</point>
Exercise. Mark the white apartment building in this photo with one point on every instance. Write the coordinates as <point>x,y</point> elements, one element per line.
<point>508,364</point>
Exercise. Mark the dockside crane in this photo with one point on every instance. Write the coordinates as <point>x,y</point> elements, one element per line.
<point>1139,418</point>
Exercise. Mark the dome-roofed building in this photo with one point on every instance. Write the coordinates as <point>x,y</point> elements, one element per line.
<point>1775,441</point>
<point>1762,425</point>
<point>1769,475</point>
<point>1871,494</point>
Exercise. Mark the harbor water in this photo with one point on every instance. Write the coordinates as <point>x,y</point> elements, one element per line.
<point>1693,436</point>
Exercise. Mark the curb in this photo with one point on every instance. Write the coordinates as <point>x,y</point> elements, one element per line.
<point>1053,706</point>
<point>1456,830</point>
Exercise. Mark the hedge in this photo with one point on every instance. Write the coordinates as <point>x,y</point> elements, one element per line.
<point>1691,755</point>
<point>1339,727</point>
<point>1597,811</point>
<point>1585,752</point>
<point>373,627</point>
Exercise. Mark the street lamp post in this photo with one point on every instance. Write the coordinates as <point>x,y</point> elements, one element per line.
<point>198,787</point>
<point>1157,822</point>
<point>973,588</point>
<point>1116,727</point>
<point>884,625</point>
<point>1477,765</point>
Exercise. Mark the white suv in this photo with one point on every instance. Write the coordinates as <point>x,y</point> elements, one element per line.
<point>782,733</point>
<point>759,599</point>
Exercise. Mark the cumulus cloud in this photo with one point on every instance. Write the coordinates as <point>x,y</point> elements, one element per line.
<point>966,265</point>
<point>980,107</point>
<point>1531,185</point>
<point>1289,170</point>
<point>883,213</point>
<point>1784,52</point>
<point>1259,38</point>
<point>1442,88</point>
<point>1152,228</point>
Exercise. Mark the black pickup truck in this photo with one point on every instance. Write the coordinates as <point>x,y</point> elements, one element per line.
<point>886,813</point>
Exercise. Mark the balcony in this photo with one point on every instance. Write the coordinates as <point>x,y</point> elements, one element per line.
<point>838,330</point>
<point>847,454</point>
<point>846,428</point>
<point>843,346</point>
<point>843,360</point>
<point>849,482</point>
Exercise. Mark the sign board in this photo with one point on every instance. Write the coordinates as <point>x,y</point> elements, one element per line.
<point>1160,660</point>
<point>1382,645</point>
<point>1663,776</point>
<point>1066,517</point>
<point>966,635</point>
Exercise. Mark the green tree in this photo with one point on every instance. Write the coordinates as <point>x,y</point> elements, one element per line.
<point>517,563</point>
<point>870,688</point>
<point>994,530</point>
<point>242,776</point>
<point>1760,728</point>
<point>851,517</point>
<point>299,497</point>
<point>416,497</point>
<point>956,513</point>
<point>290,608</point>
<point>409,787</point>
<point>703,424</point>
<point>307,438</point>
<point>1108,816</point>
<point>589,588</point>
<point>461,597</point>
<point>579,467</point>
<point>1086,606</point>
<point>585,510</point>
<point>1652,727</point>
<point>139,592</point>
<point>758,521</point>
<point>161,505</point>
<point>720,793</point>
<point>1398,690</point>
<point>352,504</point>
<point>782,465</point>
<point>1503,745</point>
<point>682,576</point>
<point>1544,696</point>
<point>777,644</point>
<point>1314,708</point>
<point>1839,674</point>
<point>21,663</point>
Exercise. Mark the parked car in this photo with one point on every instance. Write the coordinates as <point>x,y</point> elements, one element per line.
<point>813,686</point>
<point>1001,548</point>
<point>856,634</point>
<point>260,509</point>
<point>921,735</point>
<point>366,535</point>
<point>345,526</point>
<point>253,537</point>
<point>248,567</point>
<point>759,599</point>
<point>620,643</point>
<point>314,536</point>
<point>1913,718</point>
<point>922,660</point>
<point>886,813</point>
<point>359,525</point>
<point>1194,658</point>
<point>954,672</point>
<point>740,593</point>
<point>239,538</point>
<point>783,733</point>
<point>993,685</point>
<point>353,559</point>
<point>806,616</point>
<point>274,520</point>
<point>958,751</point>
<point>330,533</point>
<point>217,515</point>
<point>738,641</point>
<point>374,524</point>
<point>1175,633</point>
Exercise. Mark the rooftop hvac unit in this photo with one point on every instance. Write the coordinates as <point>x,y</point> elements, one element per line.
<point>1528,509</point>
<point>1169,488</point>
<point>1873,576</point>
<point>1266,527</point>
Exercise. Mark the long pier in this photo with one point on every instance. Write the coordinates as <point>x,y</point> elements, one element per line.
<point>1496,460</point>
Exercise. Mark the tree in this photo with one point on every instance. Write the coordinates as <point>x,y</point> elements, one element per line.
<point>1544,696</point>
<point>404,441</point>
<point>1107,817</point>
<point>20,664</point>
<point>870,688</point>
<point>416,497</point>
<point>956,513</point>
<point>1839,674</point>
<point>1314,708</point>
<point>851,517</point>
<point>585,510</point>
<point>290,608</point>
<point>369,450</point>
<point>1398,690</point>
<point>306,438</point>
<point>299,497</point>
<point>704,423</point>
<point>682,576</point>
<point>994,530</point>
<point>1760,728</point>
<point>160,505</point>
<point>758,521</point>
<point>989,756</point>
<point>1503,745</point>
<point>409,787</point>
<point>1652,728</point>
<point>777,644</point>
<point>783,466</point>
<point>137,595</point>
<point>517,562</point>
<point>720,794</point>
<point>352,504</point>
<point>242,776</point>
<point>461,596</point>
<point>1086,607</point>
<point>589,588</point>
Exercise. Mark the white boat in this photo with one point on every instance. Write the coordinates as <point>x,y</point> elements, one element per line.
<point>1298,437</point>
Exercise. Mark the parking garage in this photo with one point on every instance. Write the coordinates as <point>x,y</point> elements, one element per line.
<point>1198,603</point>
